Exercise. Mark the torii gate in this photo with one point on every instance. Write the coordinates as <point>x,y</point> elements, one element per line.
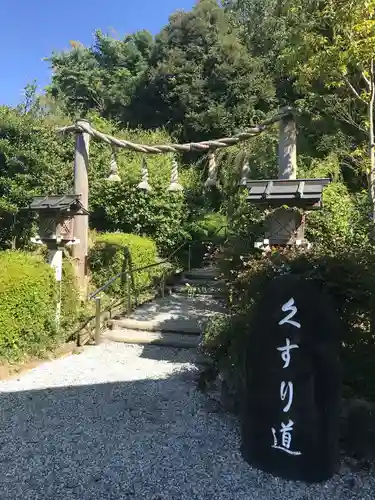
<point>287,190</point>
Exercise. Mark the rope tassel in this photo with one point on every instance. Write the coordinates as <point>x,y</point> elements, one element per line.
<point>113,174</point>
<point>175,185</point>
<point>212,171</point>
<point>144,183</point>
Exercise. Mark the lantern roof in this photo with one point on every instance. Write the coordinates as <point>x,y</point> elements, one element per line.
<point>303,193</point>
<point>58,203</point>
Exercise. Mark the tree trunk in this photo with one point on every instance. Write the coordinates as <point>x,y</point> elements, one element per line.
<point>372,160</point>
<point>372,172</point>
<point>372,144</point>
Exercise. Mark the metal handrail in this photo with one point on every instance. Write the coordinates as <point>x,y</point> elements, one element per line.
<point>143,268</point>
<point>95,295</point>
<point>136,270</point>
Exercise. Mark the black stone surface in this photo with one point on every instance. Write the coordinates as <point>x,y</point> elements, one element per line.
<point>314,371</point>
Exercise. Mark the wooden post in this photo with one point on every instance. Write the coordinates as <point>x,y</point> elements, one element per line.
<point>97,321</point>
<point>81,222</point>
<point>288,148</point>
<point>55,260</point>
<point>128,297</point>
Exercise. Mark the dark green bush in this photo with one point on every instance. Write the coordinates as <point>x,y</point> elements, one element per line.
<point>342,259</point>
<point>108,257</point>
<point>120,206</point>
<point>123,207</point>
<point>208,226</point>
<point>204,234</point>
<point>348,274</point>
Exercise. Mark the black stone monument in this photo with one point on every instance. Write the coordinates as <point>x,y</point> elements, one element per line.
<point>293,388</point>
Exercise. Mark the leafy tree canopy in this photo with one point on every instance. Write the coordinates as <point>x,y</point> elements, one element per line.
<point>202,81</point>
<point>197,78</point>
<point>101,77</point>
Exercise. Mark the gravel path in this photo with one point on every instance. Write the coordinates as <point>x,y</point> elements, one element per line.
<point>125,422</point>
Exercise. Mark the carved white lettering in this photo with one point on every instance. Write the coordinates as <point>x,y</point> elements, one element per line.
<point>286,390</point>
<point>289,306</point>
<point>285,352</point>
<point>286,438</point>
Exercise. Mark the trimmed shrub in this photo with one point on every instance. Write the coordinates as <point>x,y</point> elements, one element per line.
<point>27,305</point>
<point>108,257</point>
<point>28,296</point>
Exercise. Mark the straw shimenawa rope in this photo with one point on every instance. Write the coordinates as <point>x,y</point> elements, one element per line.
<point>204,146</point>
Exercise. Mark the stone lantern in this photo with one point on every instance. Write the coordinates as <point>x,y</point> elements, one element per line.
<point>285,225</point>
<point>56,219</point>
<point>56,228</point>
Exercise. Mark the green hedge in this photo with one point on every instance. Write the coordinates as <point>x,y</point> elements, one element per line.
<point>28,295</point>
<point>107,257</point>
<point>27,298</point>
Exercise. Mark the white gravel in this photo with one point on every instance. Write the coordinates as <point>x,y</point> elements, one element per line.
<point>123,422</point>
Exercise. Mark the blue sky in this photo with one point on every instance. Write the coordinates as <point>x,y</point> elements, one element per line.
<point>32,29</point>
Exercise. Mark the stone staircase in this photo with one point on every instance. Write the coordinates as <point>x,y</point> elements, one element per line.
<point>178,318</point>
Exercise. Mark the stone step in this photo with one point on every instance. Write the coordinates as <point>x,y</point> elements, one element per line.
<point>201,282</point>
<point>155,338</point>
<point>209,273</point>
<point>176,320</point>
<point>167,326</point>
<point>173,313</point>
<point>215,292</point>
<point>200,287</point>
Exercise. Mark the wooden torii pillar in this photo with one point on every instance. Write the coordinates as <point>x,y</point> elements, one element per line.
<point>81,223</point>
<point>287,146</point>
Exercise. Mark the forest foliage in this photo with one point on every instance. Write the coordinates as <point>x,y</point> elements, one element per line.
<point>219,68</point>
<point>210,72</point>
